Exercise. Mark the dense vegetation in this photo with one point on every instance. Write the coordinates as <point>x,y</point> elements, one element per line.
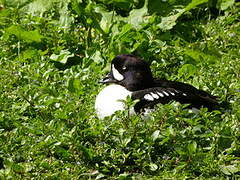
<point>54,52</point>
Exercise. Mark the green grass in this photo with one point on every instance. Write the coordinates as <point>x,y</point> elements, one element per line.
<point>52,56</point>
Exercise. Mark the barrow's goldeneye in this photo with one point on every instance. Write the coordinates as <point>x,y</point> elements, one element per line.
<point>131,76</point>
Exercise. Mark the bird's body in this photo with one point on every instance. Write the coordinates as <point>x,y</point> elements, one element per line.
<point>110,100</point>
<point>131,76</point>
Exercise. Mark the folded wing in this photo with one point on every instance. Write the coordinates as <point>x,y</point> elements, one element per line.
<point>152,96</point>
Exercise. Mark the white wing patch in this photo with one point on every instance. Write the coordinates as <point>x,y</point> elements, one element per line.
<point>155,96</point>
<point>165,93</point>
<point>116,74</point>
<point>151,96</point>
<point>148,97</point>
<point>160,94</point>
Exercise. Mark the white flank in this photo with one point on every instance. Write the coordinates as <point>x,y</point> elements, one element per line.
<point>108,100</point>
<point>148,97</point>
<point>116,74</point>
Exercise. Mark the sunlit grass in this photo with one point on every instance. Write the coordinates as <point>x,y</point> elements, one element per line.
<point>49,81</point>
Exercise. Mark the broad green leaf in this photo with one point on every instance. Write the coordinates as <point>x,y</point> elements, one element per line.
<point>97,57</point>
<point>77,84</point>
<point>229,169</point>
<point>192,147</point>
<point>137,16</point>
<point>155,135</point>
<point>62,56</point>
<point>77,7</point>
<point>70,85</point>
<point>4,14</point>
<point>225,4</point>
<point>28,55</point>
<point>39,6</point>
<point>65,19</point>
<point>74,85</point>
<point>22,34</point>
<point>171,131</point>
<point>194,4</point>
<point>169,22</point>
<point>187,70</point>
<point>124,34</point>
<point>200,55</point>
<point>107,18</point>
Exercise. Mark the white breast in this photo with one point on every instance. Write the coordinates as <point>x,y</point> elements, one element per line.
<point>108,100</point>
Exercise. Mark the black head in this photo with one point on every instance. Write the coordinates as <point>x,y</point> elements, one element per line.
<point>131,72</point>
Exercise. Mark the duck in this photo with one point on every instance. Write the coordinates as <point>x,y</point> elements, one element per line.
<point>131,76</point>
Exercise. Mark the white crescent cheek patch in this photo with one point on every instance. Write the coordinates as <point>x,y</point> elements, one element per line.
<point>116,74</point>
